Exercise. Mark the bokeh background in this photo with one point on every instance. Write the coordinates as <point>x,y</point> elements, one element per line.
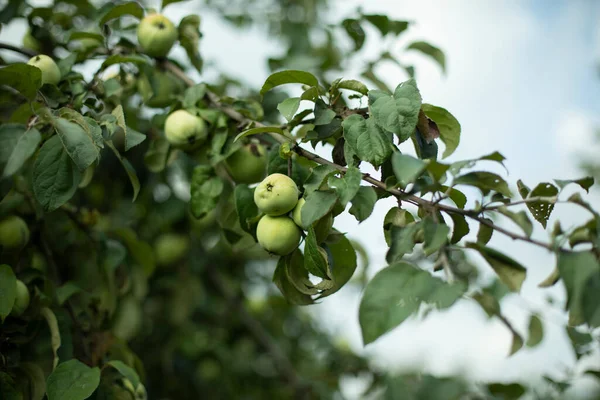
<point>522,78</point>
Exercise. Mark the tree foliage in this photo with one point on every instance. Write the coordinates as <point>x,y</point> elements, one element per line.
<point>139,254</point>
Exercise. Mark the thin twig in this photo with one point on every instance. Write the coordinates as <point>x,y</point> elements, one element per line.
<point>20,50</point>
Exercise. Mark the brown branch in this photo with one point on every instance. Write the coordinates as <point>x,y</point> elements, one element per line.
<point>20,50</point>
<point>401,195</point>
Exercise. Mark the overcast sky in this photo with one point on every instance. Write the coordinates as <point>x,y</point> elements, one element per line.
<point>522,79</point>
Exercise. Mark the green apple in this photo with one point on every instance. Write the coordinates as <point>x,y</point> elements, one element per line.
<point>31,43</point>
<point>50,71</point>
<point>170,248</point>
<point>322,226</point>
<point>22,300</point>
<point>248,164</point>
<point>14,233</point>
<point>156,35</point>
<point>278,235</point>
<point>166,85</point>
<point>128,319</point>
<point>183,128</point>
<point>276,195</point>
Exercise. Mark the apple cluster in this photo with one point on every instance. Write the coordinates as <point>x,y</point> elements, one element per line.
<point>279,230</point>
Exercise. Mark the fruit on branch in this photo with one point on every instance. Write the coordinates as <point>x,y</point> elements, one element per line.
<point>278,235</point>
<point>170,248</point>
<point>21,300</point>
<point>128,319</point>
<point>276,195</point>
<point>322,226</point>
<point>50,71</point>
<point>248,164</point>
<point>31,43</point>
<point>14,234</point>
<point>184,129</point>
<point>158,90</point>
<point>156,35</point>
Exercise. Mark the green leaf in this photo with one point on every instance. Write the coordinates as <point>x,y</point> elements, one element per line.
<point>193,95</point>
<point>540,210</point>
<point>36,379</point>
<point>289,291</point>
<point>460,229</point>
<point>55,177</point>
<point>398,291</point>
<point>72,380</point>
<point>407,168</point>
<point>317,177</point>
<point>164,4</point>
<point>55,338</point>
<point>245,208</point>
<point>517,343</point>
<point>511,391</point>
<point>66,64</point>
<point>288,76</point>
<point>67,290</point>
<point>580,272</point>
<point>367,140</point>
<point>344,263</point>
<point>448,126</point>
<point>262,129</point>
<point>133,138</point>
<point>386,25</point>
<point>431,51</point>
<point>298,275</point>
<point>140,251</point>
<point>485,181</point>
<point>206,189</point>
<point>132,8</point>
<point>363,203</point>
<point>189,38</point>
<point>8,290</point>
<point>355,31</point>
<point>289,107</point>
<point>354,85</point>
<point>8,388</point>
<point>86,35</point>
<point>24,144</point>
<point>398,113</point>
<point>156,157</point>
<point>395,217</point>
<point>126,371</point>
<point>135,182</point>
<point>520,218</point>
<point>485,232</point>
<point>318,204</point>
<point>323,114</point>
<point>347,186</point>
<point>123,59</point>
<point>435,234</point>
<point>536,331</point>
<point>77,142</point>
<point>585,183</point>
<point>510,272</point>
<point>25,78</point>
<point>315,259</point>
<point>402,241</point>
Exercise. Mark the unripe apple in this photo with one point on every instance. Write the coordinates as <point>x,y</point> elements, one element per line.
<point>248,164</point>
<point>185,129</point>
<point>166,85</point>
<point>50,71</point>
<point>278,235</point>
<point>322,226</point>
<point>156,35</point>
<point>170,248</point>
<point>276,195</point>
<point>128,319</point>
<point>21,300</point>
<point>31,43</point>
<point>14,233</point>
